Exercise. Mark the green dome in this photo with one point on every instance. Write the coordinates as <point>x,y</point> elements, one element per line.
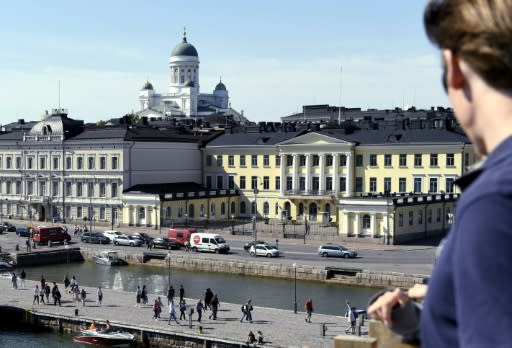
<point>147,85</point>
<point>184,49</point>
<point>220,87</point>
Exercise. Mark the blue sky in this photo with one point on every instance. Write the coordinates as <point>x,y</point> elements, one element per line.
<point>273,56</point>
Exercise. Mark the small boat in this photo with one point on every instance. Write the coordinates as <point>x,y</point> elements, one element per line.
<point>112,339</point>
<point>109,258</point>
<point>6,265</point>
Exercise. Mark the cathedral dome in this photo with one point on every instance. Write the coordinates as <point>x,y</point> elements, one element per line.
<point>147,86</point>
<point>220,87</point>
<point>184,49</point>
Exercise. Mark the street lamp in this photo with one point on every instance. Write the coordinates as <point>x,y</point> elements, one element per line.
<point>295,288</point>
<point>186,219</point>
<point>254,217</point>
<point>168,260</point>
<point>233,224</point>
<point>156,214</point>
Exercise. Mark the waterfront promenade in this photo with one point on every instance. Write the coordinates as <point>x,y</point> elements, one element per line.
<point>281,328</point>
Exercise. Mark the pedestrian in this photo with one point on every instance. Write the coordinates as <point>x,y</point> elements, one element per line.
<point>138,296</point>
<point>156,309</point>
<point>36,295</point>
<point>215,307</point>
<point>172,313</point>
<point>27,243</point>
<point>183,309</point>
<point>56,294</point>
<point>182,293</point>
<point>208,295</point>
<point>66,282</point>
<point>23,276</point>
<point>246,311</point>
<point>14,280</point>
<point>351,319</point>
<point>83,296</point>
<point>41,295</point>
<point>99,293</point>
<point>144,295</point>
<point>251,338</point>
<point>42,281</point>
<point>47,291</point>
<point>170,294</point>
<point>308,306</point>
<point>187,246</point>
<point>199,309</point>
<point>261,339</point>
<point>73,283</point>
<point>76,294</point>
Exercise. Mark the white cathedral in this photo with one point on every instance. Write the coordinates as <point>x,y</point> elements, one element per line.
<point>183,99</point>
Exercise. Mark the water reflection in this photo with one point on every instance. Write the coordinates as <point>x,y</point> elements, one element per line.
<point>328,298</point>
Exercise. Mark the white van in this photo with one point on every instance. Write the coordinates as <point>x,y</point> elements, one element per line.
<point>208,242</point>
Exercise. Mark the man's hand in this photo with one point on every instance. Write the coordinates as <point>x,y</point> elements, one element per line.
<point>382,307</point>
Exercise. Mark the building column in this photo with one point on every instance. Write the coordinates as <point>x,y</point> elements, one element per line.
<point>295,181</point>
<point>308,173</point>
<point>346,217</point>
<point>283,175</point>
<point>321,179</point>
<point>357,230</point>
<point>372,225</point>
<point>335,178</point>
<point>146,214</point>
<point>350,175</point>
<point>385,222</point>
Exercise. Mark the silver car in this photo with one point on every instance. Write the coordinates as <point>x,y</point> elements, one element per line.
<point>336,250</point>
<point>125,240</point>
<point>264,250</point>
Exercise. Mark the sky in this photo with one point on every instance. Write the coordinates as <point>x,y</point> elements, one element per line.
<point>273,56</point>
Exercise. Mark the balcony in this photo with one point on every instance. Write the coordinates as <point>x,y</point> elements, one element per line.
<point>311,194</point>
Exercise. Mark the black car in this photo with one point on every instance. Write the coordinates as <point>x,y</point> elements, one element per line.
<point>142,236</point>
<point>7,227</point>
<point>22,231</point>
<point>165,243</point>
<point>94,237</point>
<point>248,245</point>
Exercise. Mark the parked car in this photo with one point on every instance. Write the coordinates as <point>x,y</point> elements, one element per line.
<point>22,231</point>
<point>125,240</point>
<point>7,227</point>
<point>248,245</point>
<point>264,250</point>
<point>142,236</point>
<point>110,234</point>
<point>336,250</point>
<point>165,243</point>
<point>50,234</point>
<point>94,237</point>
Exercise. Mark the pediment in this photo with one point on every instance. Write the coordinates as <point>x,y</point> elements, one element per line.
<point>314,138</point>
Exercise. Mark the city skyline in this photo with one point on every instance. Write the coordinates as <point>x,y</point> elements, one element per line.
<point>272,57</point>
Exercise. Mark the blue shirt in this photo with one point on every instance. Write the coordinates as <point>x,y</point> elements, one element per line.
<point>468,303</point>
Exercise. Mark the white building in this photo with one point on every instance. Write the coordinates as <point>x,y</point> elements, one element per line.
<point>183,97</point>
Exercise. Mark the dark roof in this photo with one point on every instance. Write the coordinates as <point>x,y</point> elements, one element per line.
<point>220,87</point>
<point>184,49</point>
<point>179,190</point>
<point>252,139</point>
<point>147,85</point>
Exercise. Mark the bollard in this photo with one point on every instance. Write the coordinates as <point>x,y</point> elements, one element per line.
<point>323,329</point>
<point>76,311</point>
<point>358,328</point>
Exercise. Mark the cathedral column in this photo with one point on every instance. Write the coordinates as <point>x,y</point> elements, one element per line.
<point>350,175</point>
<point>295,181</point>
<point>335,178</point>
<point>282,185</point>
<point>321,179</point>
<point>146,215</point>
<point>308,173</point>
<point>372,224</point>
<point>346,216</point>
<point>357,230</point>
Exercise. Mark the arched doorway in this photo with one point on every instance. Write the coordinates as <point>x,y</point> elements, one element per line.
<point>287,211</point>
<point>191,213</point>
<point>313,210</point>
<point>233,209</point>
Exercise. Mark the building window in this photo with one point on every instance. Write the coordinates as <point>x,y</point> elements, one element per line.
<point>402,185</point>
<point>373,160</point>
<point>328,183</point>
<point>30,187</point>
<point>411,218</point>
<point>387,160</point>
<point>18,187</point>
<point>387,185</point>
<point>42,163</point>
<point>289,183</point>
<point>55,163</point>
<point>208,182</point>
<point>231,161</point>
<point>102,189</point>
<point>418,185</point>
<point>209,160</point>
<point>278,182</point>
<point>220,182</point>
<point>316,160</point>
<point>242,208</point>
<point>113,189</point>
<point>402,160</point>
<point>433,185</point>
<point>266,208</point>
<point>30,163</point>
<point>433,159</point>
<point>373,184</point>
<point>68,189</point>
<point>80,163</point>
<point>231,182</point>
<point>302,183</point>
<point>289,160</point>
<point>168,212</point>
<point>278,161</point>
<point>102,213</point>
<point>302,160</point>
<point>401,219</point>
<point>450,160</point>
<point>79,189</point>
<point>266,183</point>
<point>90,189</point>
<point>90,162</point>
<point>79,212</point>
<point>103,163</point>
<point>55,188</point>
<point>429,215</point>
<point>420,217</point>
<point>343,160</point>
<point>266,161</point>
<point>219,161</point>
<point>450,185</point>
<point>343,184</point>
<point>18,162</point>
<point>242,182</point>
<point>254,182</point>
<point>242,160</point>
<point>328,161</point>
<point>254,161</point>
<point>315,184</point>
<point>115,162</point>
<point>417,160</point>
<point>366,221</point>
<point>8,163</point>
<point>68,162</point>
<point>359,160</point>
<point>8,187</point>
<point>223,209</point>
<point>359,184</point>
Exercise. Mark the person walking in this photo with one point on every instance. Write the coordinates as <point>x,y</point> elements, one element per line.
<point>172,313</point>
<point>42,282</point>
<point>66,282</point>
<point>14,280</point>
<point>36,295</point>
<point>138,296</point>
<point>246,311</point>
<point>41,295</point>
<point>144,295</point>
<point>183,309</point>
<point>208,295</point>
<point>27,243</point>
<point>351,319</point>
<point>56,294</point>
<point>215,307</point>
<point>182,293</point>
<point>170,294</point>
<point>199,309</point>
<point>308,306</point>
<point>47,291</point>
<point>23,276</point>
<point>156,309</point>
<point>99,293</point>
<point>83,296</point>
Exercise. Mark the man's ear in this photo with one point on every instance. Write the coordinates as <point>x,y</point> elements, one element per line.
<point>455,77</point>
